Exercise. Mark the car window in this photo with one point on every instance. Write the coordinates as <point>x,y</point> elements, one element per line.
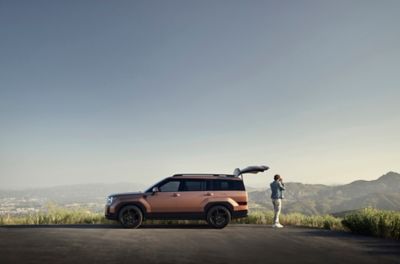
<point>193,185</point>
<point>236,186</point>
<point>225,185</point>
<point>169,186</point>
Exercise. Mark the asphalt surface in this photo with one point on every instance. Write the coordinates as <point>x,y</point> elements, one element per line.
<point>189,244</point>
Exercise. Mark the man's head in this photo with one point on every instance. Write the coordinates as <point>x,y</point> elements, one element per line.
<point>277,177</point>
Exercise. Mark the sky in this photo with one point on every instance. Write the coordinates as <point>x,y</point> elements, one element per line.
<point>135,91</point>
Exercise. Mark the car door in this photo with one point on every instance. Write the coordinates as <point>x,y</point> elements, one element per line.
<point>167,199</point>
<point>193,192</point>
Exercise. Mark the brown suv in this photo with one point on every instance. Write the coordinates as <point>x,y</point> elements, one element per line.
<point>215,198</point>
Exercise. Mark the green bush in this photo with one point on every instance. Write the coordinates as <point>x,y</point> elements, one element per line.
<point>374,222</point>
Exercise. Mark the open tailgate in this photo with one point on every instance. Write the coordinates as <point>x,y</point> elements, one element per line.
<point>251,169</point>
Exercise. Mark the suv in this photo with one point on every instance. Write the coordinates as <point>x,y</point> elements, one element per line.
<point>216,198</point>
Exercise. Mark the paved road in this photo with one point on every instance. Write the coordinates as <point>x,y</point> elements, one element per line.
<point>189,244</point>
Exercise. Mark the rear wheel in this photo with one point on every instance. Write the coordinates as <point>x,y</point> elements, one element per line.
<point>130,216</point>
<point>218,216</point>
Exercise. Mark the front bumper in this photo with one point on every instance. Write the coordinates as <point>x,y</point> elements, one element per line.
<point>109,215</point>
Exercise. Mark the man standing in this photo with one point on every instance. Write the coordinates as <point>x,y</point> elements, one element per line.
<point>277,188</point>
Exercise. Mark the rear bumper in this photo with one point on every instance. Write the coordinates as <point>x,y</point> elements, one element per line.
<point>239,214</point>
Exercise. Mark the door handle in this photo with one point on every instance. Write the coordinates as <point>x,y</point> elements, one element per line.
<point>176,194</point>
<point>210,194</point>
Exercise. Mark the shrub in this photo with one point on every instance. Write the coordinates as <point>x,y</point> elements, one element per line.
<point>370,221</point>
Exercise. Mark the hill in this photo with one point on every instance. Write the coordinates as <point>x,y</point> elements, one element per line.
<point>383,193</point>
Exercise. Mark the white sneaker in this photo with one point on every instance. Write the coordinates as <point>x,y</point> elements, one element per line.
<point>277,225</point>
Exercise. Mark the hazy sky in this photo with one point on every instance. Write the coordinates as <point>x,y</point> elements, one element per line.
<point>111,91</point>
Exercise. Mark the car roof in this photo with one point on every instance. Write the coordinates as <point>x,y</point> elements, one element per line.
<point>205,176</point>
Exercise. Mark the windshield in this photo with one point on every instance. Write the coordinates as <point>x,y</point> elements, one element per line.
<point>149,190</point>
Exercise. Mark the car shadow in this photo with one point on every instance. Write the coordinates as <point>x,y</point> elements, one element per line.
<point>111,226</point>
<point>372,245</point>
<point>176,226</point>
<point>83,226</point>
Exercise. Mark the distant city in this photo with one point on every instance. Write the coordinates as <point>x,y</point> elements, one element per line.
<point>88,196</point>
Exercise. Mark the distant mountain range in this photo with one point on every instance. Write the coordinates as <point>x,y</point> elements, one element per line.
<point>383,193</point>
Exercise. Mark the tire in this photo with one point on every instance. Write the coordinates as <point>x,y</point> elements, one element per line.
<point>218,216</point>
<point>130,216</point>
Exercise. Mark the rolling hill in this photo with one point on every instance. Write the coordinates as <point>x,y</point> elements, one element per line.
<point>383,193</point>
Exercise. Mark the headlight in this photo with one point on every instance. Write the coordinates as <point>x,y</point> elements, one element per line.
<point>110,200</point>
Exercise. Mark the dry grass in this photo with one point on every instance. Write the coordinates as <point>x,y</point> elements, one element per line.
<point>58,215</point>
<point>367,221</point>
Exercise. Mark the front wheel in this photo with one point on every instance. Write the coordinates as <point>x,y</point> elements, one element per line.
<point>218,216</point>
<point>130,216</point>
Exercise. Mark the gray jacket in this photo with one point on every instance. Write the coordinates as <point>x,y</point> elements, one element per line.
<point>277,189</point>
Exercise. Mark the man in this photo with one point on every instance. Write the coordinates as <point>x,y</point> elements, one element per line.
<point>277,188</point>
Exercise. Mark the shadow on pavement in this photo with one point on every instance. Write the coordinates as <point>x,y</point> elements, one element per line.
<point>373,245</point>
<point>177,226</point>
<point>383,248</point>
<point>83,226</point>
<point>116,226</point>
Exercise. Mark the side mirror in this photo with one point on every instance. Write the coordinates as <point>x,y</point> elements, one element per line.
<point>155,189</point>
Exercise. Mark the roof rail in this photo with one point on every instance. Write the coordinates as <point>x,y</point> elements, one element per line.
<point>236,173</point>
<point>202,175</point>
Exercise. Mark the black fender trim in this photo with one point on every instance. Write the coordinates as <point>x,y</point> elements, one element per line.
<point>138,204</point>
<point>226,204</point>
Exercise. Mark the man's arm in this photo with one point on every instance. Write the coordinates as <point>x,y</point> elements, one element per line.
<point>282,186</point>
